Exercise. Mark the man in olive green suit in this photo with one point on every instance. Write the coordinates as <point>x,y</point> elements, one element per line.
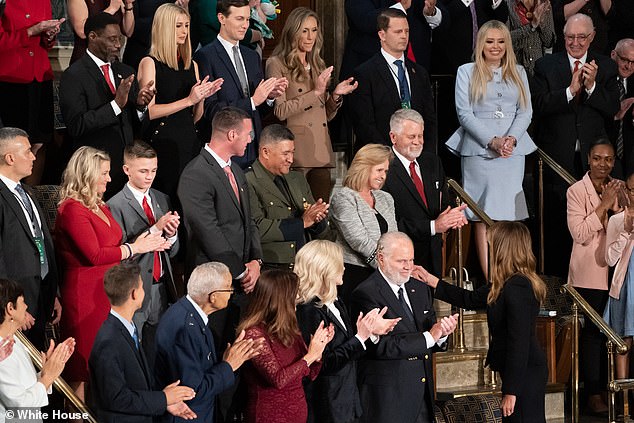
<point>282,205</point>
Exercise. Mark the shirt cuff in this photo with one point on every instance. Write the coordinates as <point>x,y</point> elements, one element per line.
<point>432,227</point>
<point>374,339</point>
<point>569,95</point>
<point>252,104</point>
<point>496,3</point>
<point>362,343</point>
<point>243,274</point>
<point>434,21</point>
<point>591,90</point>
<point>398,6</point>
<point>115,108</point>
<point>172,239</point>
<point>430,339</point>
<point>270,102</point>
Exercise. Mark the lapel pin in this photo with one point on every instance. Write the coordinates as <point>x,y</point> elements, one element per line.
<point>413,290</point>
<point>119,76</point>
<point>437,185</point>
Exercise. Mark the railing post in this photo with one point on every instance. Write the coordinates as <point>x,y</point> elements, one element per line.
<point>458,335</point>
<point>611,393</point>
<point>540,211</point>
<point>575,363</point>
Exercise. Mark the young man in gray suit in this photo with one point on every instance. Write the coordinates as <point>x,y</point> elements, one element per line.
<point>139,208</point>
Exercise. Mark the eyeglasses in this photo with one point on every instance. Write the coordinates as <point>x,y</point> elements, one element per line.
<point>624,60</point>
<point>581,37</point>
<point>231,290</point>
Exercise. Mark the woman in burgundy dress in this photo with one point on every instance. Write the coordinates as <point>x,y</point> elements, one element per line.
<point>274,378</point>
<point>88,241</point>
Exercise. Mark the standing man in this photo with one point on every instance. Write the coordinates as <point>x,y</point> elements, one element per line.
<point>388,82</point>
<point>621,129</point>
<point>244,86</point>
<point>416,181</point>
<point>396,374</point>
<point>26,247</point>
<point>282,203</point>
<point>574,93</point>
<point>138,208</point>
<point>121,380</point>
<point>100,98</point>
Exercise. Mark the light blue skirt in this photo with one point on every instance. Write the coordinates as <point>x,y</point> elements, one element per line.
<point>619,314</point>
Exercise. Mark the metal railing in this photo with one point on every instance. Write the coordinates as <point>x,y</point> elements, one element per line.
<point>59,383</point>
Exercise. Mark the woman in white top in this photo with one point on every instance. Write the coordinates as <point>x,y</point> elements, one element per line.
<point>20,384</point>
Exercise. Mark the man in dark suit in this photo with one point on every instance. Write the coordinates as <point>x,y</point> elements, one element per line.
<point>26,247</point>
<point>396,375</point>
<point>120,379</point>
<point>421,200</point>
<point>138,208</point>
<point>574,94</point>
<point>185,345</point>
<point>282,204</point>
<point>244,86</point>
<point>388,82</point>
<point>621,129</point>
<point>100,99</point>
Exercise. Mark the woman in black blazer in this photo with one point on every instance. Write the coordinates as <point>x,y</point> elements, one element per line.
<point>333,397</point>
<point>512,301</point>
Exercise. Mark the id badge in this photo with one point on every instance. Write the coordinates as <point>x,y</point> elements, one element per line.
<point>39,242</point>
<point>406,105</point>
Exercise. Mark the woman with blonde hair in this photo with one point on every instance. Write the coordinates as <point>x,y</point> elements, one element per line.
<point>333,397</point>
<point>180,95</point>
<point>88,242</point>
<point>274,377</point>
<point>360,213</point>
<point>512,300</point>
<point>494,110</point>
<point>306,105</point>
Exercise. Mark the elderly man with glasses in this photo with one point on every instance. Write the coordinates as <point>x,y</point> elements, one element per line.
<point>621,129</point>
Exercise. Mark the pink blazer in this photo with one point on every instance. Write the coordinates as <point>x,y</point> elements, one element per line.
<point>588,267</point>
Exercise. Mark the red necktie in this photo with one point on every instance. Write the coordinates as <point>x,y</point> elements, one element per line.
<point>418,183</point>
<point>156,272</point>
<point>577,97</point>
<point>106,73</point>
<point>232,181</point>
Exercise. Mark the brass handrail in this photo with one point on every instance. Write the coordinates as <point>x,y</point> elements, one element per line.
<point>473,206</point>
<point>59,383</point>
<point>556,167</point>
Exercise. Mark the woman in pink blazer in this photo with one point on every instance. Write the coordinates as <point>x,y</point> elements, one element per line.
<point>590,202</point>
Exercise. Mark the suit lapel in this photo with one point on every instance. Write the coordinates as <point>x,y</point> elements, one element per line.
<point>418,304</point>
<point>205,331</point>
<point>393,303</point>
<point>384,72</point>
<point>344,315</point>
<point>94,71</point>
<point>429,183</point>
<point>138,353</point>
<point>224,180</point>
<point>265,181</point>
<point>240,182</point>
<point>134,204</point>
<point>224,58</point>
<point>10,199</point>
<point>406,179</point>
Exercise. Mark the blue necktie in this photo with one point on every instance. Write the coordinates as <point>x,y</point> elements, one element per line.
<point>135,337</point>
<point>402,82</point>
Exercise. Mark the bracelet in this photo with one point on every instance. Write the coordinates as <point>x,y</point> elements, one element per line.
<point>127,10</point>
<point>129,248</point>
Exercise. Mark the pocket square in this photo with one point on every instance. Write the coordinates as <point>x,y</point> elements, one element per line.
<point>425,311</point>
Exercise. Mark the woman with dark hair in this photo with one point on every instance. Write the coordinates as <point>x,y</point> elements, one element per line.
<point>590,203</point>
<point>274,378</point>
<point>512,301</point>
<point>20,384</point>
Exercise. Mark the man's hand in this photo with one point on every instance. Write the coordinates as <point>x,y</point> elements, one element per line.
<point>263,90</point>
<point>29,321</point>
<point>121,95</point>
<point>451,218</point>
<point>589,74</point>
<point>508,405</point>
<point>315,213</point>
<point>383,326</point>
<point>576,82</point>
<point>448,324</point>
<point>430,8</point>
<point>181,410</point>
<point>168,223</point>
<point>175,393</point>
<point>280,86</point>
<point>253,273</point>
<point>146,94</point>
<point>57,311</point>
<point>625,105</point>
<point>242,350</point>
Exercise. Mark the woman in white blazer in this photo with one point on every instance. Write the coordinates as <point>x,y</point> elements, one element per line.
<point>494,109</point>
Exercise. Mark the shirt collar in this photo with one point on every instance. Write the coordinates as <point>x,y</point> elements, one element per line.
<point>10,183</point>
<point>404,159</point>
<point>97,60</point>
<point>218,159</point>
<point>138,195</point>
<point>128,324</point>
<point>199,310</point>
<point>572,60</point>
<point>227,44</point>
<point>390,59</point>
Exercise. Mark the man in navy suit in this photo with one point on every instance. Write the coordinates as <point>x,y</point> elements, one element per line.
<point>120,379</point>
<point>621,129</point>
<point>244,86</point>
<point>185,345</point>
<point>396,374</point>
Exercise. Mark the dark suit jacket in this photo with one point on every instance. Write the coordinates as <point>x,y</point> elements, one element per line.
<point>396,375</point>
<point>628,131</point>
<point>120,380</point>
<point>185,351</point>
<point>420,33</point>
<point>453,44</point>
<point>562,123</point>
<point>279,220</point>
<point>20,259</point>
<point>412,216</point>
<point>129,214</point>
<point>218,227</point>
<point>377,98</point>
<point>84,98</point>
<point>333,396</point>
<point>214,62</point>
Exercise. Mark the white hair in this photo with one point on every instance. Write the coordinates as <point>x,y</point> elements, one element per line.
<point>206,278</point>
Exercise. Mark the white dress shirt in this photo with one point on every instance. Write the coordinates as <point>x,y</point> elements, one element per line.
<point>11,185</point>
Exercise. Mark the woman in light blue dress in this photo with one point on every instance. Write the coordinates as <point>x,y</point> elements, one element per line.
<point>494,109</point>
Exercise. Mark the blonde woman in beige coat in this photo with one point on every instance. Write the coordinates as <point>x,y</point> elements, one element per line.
<point>307,106</point>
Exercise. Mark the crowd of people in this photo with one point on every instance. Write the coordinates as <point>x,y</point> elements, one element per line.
<point>303,304</point>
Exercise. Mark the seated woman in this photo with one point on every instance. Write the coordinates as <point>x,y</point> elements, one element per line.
<point>20,384</point>
<point>360,213</point>
<point>333,396</point>
<point>274,378</point>
<point>512,301</point>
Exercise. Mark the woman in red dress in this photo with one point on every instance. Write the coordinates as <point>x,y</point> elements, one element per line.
<point>88,241</point>
<point>274,378</point>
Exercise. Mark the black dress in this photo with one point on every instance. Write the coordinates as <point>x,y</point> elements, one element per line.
<point>513,347</point>
<point>174,136</point>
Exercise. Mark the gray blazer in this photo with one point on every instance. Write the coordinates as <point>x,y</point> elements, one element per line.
<point>129,214</point>
<point>356,226</point>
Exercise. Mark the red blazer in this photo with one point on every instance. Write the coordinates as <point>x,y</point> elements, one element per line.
<point>24,58</point>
